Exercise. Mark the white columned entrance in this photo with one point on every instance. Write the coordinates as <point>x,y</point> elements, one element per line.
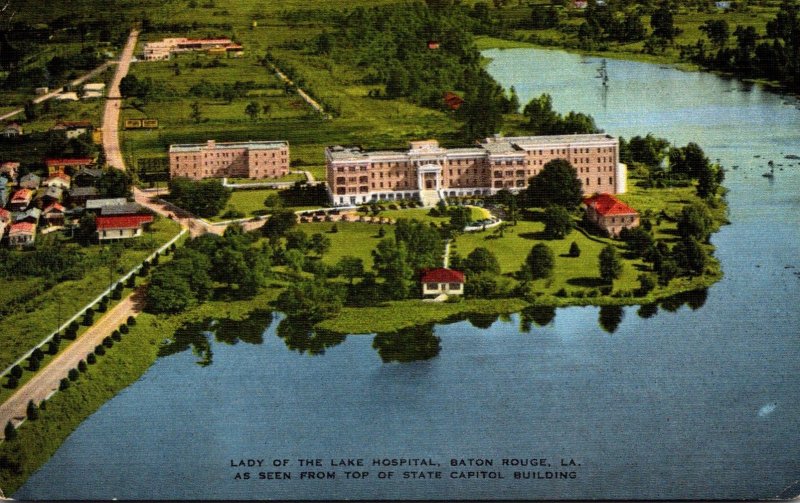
<point>426,169</point>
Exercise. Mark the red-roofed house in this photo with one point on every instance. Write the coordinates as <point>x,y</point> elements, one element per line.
<point>20,200</point>
<point>22,234</point>
<point>5,215</point>
<point>433,44</point>
<point>60,165</point>
<point>610,214</point>
<point>54,214</point>
<point>441,280</point>
<point>121,226</point>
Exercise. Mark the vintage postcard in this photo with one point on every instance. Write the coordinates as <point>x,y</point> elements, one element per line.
<point>384,249</point>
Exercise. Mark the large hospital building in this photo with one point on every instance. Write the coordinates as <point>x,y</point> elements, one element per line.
<point>251,159</point>
<point>430,172</point>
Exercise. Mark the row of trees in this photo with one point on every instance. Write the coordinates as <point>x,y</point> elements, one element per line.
<point>204,198</point>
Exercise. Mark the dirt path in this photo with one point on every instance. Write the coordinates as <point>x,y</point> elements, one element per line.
<point>47,379</point>
<point>110,124</point>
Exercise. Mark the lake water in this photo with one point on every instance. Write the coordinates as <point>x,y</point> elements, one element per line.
<point>697,400</point>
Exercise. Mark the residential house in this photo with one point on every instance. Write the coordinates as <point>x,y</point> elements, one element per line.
<point>442,281</point>
<point>20,200</point>
<point>93,90</point>
<point>54,214</point>
<point>53,194</point>
<point>121,226</point>
<point>96,205</point>
<point>5,216</point>
<point>12,130</point>
<point>31,215</point>
<point>59,179</point>
<point>62,165</point>
<point>79,195</point>
<point>433,44</point>
<point>30,181</point>
<point>87,177</point>
<point>73,129</point>
<point>4,191</point>
<point>610,214</point>
<point>22,234</point>
<point>10,169</point>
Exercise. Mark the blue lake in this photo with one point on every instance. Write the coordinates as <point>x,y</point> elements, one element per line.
<point>699,400</point>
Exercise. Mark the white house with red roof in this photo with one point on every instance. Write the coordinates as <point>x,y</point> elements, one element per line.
<point>61,180</point>
<point>54,214</point>
<point>22,234</point>
<point>20,200</point>
<point>610,214</point>
<point>442,281</point>
<point>121,226</point>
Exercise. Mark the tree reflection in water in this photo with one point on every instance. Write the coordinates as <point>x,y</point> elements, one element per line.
<point>647,310</point>
<point>479,320</point>
<point>300,335</point>
<point>195,335</point>
<point>539,315</point>
<point>695,299</point>
<point>408,344</point>
<point>610,318</point>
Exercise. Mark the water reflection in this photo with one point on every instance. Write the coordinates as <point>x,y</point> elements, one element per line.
<point>300,335</point>
<point>695,299</point>
<point>479,320</point>
<point>610,318</point>
<point>195,335</point>
<point>647,311</point>
<point>408,344</point>
<point>539,315</point>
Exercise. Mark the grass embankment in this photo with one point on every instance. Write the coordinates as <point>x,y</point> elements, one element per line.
<point>121,366</point>
<point>40,315</point>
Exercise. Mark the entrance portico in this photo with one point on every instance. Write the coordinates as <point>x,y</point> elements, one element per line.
<point>424,179</point>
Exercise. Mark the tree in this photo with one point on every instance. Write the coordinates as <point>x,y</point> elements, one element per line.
<point>9,433</point>
<point>717,31</point>
<point>168,292</point>
<point>63,384</point>
<point>204,198</point>
<point>556,184</point>
<point>390,261</point>
<point>252,110</point>
<point>639,240</point>
<point>662,22</point>
<point>296,239</point>
<point>695,221</point>
<point>273,201</point>
<point>482,110</point>
<point>646,284</point>
<point>481,260</point>
<point>513,101</point>
<point>32,412</point>
<point>16,371</point>
<point>294,259</point>
<point>195,113</point>
<point>539,263</point>
<point>690,256</point>
<point>574,250</point>
<point>73,374</point>
<point>557,222</point>
<point>351,267</point>
<point>266,109</point>
<point>460,217</point>
<point>320,243</point>
<point>314,300</point>
<point>610,264</point>
<point>278,224</point>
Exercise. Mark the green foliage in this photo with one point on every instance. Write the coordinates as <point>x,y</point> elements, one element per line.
<point>539,263</point>
<point>115,183</point>
<point>131,321</point>
<point>610,264</point>
<point>320,243</point>
<point>204,198</point>
<point>88,317</point>
<point>639,240</point>
<point>132,86</point>
<point>278,224</point>
<point>123,329</point>
<point>646,284</point>
<point>557,222</point>
<point>9,433</point>
<point>391,262</point>
<point>480,260</point>
<point>16,371</point>
<point>574,250</point>
<point>73,374</point>
<point>422,242</point>
<point>32,411</point>
<point>350,267</point>
<point>543,120</point>
<point>690,256</point>
<point>91,359</point>
<point>556,184</point>
<point>314,300</point>
<point>63,384</point>
<point>696,222</point>
<point>180,283</point>
<point>82,366</point>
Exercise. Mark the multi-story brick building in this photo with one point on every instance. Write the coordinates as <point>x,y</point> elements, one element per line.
<point>252,159</point>
<point>430,172</point>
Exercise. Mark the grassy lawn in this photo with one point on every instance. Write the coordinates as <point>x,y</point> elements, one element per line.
<point>291,177</point>
<point>39,316</point>
<point>353,238</point>
<point>249,202</point>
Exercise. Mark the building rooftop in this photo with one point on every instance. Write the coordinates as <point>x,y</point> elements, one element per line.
<point>121,209</point>
<point>254,145</point>
<point>122,221</point>
<point>606,204</point>
<point>559,139</point>
<point>100,203</point>
<point>442,275</point>
<point>22,228</point>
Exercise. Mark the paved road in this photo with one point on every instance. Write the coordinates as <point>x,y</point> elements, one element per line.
<point>110,124</point>
<point>52,94</point>
<point>47,379</point>
<point>308,99</point>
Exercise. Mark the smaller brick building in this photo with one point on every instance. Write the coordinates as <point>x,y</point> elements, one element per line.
<point>610,214</point>
<point>252,159</point>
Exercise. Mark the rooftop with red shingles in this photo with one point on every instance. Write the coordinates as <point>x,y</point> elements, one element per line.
<point>442,275</point>
<point>122,222</point>
<point>606,204</point>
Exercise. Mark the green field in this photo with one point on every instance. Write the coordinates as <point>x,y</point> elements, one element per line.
<point>353,238</point>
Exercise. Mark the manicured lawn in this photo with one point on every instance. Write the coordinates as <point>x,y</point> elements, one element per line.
<point>291,177</point>
<point>353,238</point>
<point>249,202</point>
